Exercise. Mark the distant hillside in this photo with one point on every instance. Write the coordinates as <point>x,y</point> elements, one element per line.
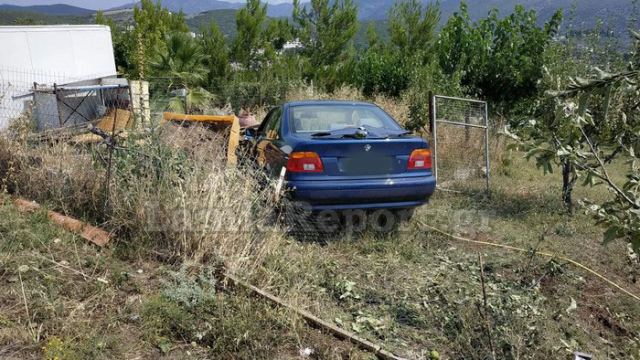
<point>54,10</point>
<point>195,7</point>
<point>585,15</point>
<point>225,18</point>
<point>8,17</point>
<point>614,13</point>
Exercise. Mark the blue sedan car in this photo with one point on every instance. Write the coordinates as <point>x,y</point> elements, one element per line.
<point>341,155</point>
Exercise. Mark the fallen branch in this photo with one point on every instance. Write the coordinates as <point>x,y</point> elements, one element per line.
<point>316,321</point>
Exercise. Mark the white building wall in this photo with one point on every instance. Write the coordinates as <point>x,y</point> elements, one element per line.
<point>49,54</point>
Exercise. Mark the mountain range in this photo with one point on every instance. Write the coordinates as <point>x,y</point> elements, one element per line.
<point>193,7</point>
<point>54,10</point>
<point>583,14</point>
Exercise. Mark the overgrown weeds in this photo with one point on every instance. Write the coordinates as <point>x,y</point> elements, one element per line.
<point>169,191</point>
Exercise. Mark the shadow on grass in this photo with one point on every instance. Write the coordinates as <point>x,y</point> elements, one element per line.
<point>506,203</point>
<point>323,229</point>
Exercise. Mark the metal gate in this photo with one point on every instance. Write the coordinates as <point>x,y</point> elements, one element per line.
<point>460,129</point>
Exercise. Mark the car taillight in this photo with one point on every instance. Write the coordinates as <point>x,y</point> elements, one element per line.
<point>308,162</point>
<point>420,159</point>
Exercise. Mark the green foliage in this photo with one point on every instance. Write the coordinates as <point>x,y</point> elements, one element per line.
<point>391,68</point>
<point>278,33</point>
<point>381,70</point>
<point>596,121</point>
<point>18,17</point>
<point>192,292</point>
<point>372,35</point>
<point>152,25</point>
<point>216,56</point>
<point>180,59</point>
<point>250,94</point>
<point>501,58</point>
<point>412,31</point>
<point>326,29</point>
<point>428,80</point>
<point>164,319</point>
<point>247,45</point>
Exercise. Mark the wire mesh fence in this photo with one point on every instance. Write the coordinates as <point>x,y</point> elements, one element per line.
<point>16,89</point>
<point>50,101</point>
<point>461,143</point>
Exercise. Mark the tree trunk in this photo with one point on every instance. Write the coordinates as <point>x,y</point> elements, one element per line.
<point>567,185</point>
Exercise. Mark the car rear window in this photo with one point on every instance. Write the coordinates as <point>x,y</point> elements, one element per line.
<point>327,118</point>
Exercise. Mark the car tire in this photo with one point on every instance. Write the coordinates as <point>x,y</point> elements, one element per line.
<point>404,215</point>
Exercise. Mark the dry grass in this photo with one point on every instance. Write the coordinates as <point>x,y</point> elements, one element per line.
<point>51,306</point>
<point>172,195</point>
<point>170,191</point>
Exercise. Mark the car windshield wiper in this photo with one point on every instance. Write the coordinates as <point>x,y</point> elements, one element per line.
<point>321,134</point>
<point>357,134</point>
<point>340,134</point>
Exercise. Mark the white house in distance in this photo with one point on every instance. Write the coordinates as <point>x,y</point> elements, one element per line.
<point>48,55</point>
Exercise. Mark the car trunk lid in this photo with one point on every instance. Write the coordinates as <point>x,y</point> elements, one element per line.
<point>363,157</point>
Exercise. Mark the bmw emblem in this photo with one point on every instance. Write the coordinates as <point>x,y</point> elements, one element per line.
<point>367,148</point>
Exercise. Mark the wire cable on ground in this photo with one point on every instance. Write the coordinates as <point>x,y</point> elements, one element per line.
<point>540,253</point>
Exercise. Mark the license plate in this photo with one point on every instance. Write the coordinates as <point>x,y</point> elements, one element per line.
<point>367,166</point>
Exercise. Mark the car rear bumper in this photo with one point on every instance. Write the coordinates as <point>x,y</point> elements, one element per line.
<point>404,192</point>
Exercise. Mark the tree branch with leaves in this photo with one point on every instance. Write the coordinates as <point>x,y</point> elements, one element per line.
<point>595,129</point>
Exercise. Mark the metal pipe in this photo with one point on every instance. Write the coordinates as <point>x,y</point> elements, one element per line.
<point>435,137</point>
<point>486,145</point>
<point>462,124</point>
<point>92,87</point>
<point>461,99</point>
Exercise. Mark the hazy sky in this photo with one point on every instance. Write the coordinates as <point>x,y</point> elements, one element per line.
<point>94,4</point>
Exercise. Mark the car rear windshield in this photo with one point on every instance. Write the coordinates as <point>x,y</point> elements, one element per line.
<point>327,118</point>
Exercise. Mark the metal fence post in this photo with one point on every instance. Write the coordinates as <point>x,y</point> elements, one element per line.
<point>486,145</point>
<point>435,137</point>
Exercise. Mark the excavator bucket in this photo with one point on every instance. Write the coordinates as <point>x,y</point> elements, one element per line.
<point>228,125</point>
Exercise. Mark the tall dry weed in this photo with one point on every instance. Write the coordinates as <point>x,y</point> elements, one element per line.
<point>185,198</point>
<point>169,191</point>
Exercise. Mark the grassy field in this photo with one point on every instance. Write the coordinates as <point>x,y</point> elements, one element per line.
<point>179,216</point>
<point>61,298</point>
<point>416,292</point>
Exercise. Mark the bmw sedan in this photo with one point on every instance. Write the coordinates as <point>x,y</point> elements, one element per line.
<point>339,155</point>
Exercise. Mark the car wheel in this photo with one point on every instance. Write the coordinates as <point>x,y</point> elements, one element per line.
<point>383,221</point>
<point>404,215</point>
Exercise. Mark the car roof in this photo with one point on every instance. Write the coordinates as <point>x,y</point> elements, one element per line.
<point>327,102</point>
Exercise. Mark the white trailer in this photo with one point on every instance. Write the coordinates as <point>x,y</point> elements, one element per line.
<point>48,55</point>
